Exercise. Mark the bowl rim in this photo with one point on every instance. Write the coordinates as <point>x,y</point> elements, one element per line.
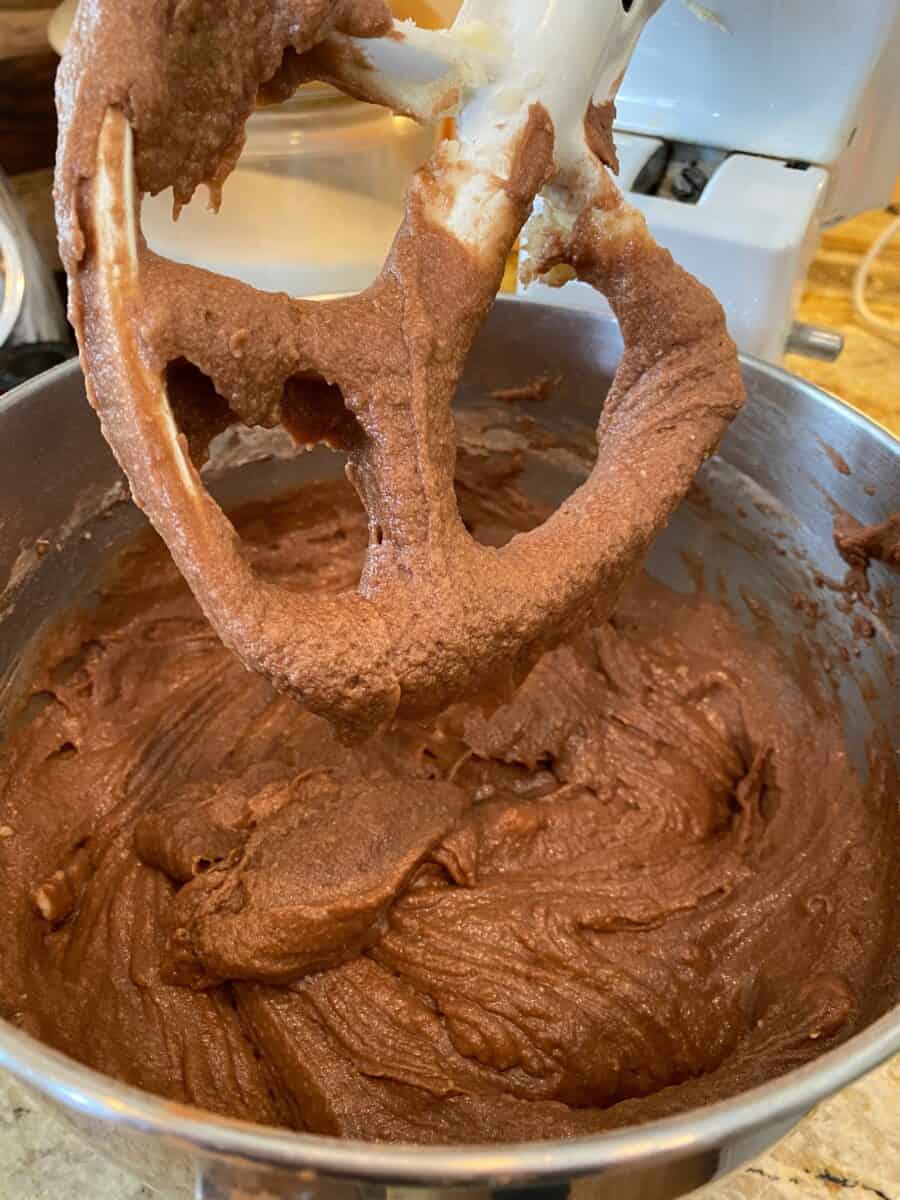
<point>785,1099</point>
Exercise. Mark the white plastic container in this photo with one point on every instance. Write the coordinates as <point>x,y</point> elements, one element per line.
<point>317,196</point>
<point>314,203</point>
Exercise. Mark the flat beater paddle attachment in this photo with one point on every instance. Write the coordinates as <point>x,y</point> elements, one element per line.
<point>155,93</point>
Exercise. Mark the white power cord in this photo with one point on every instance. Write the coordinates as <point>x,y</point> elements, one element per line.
<point>861,281</point>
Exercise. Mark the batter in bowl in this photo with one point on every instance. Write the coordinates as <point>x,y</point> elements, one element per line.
<point>644,880</point>
<point>649,880</point>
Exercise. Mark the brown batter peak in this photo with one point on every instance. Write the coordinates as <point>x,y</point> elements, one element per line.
<point>316,866</point>
<point>859,545</point>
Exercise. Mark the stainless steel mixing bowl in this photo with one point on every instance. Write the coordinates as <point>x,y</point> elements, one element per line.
<point>760,523</point>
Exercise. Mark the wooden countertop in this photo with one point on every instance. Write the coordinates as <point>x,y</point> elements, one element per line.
<point>27,71</point>
<point>867,375</point>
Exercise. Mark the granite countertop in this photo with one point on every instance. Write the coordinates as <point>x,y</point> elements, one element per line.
<point>851,1145</point>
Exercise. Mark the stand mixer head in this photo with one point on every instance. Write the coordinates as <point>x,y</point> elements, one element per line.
<point>792,124</point>
<point>437,616</point>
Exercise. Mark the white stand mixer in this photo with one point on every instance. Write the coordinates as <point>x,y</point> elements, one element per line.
<point>792,119</point>
<point>802,102</point>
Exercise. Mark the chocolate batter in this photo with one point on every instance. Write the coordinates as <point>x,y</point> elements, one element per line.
<point>859,545</point>
<point>649,880</point>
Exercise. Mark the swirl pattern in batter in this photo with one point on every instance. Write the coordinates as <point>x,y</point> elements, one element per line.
<point>647,880</point>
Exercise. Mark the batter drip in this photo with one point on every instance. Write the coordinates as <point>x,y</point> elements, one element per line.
<point>648,881</point>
